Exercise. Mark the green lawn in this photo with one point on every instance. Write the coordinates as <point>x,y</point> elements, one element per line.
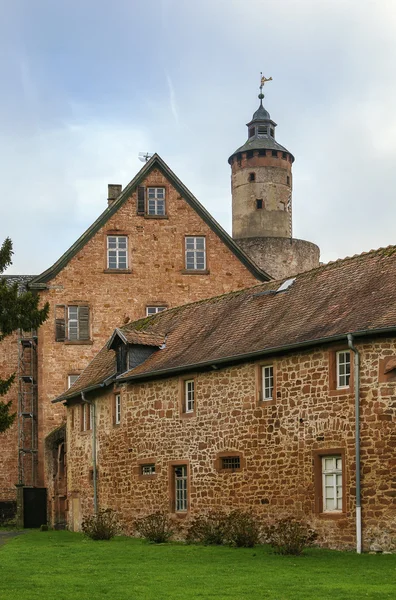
<point>59,565</point>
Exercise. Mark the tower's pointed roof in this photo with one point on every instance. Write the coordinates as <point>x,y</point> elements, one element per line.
<point>261,130</point>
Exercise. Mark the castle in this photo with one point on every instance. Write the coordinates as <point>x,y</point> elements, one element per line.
<point>155,247</point>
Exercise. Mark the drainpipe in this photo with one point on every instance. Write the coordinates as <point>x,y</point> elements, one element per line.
<point>357,445</point>
<point>95,488</point>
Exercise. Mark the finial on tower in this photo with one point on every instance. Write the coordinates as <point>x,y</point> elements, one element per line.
<point>263,80</point>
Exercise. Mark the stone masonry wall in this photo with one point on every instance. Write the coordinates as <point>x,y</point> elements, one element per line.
<point>156,254</point>
<point>9,439</point>
<point>277,441</point>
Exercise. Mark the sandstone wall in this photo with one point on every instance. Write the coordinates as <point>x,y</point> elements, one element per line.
<point>277,441</point>
<point>156,252</point>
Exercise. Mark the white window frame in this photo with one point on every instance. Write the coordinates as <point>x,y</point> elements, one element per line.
<point>181,488</point>
<point>71,379</point>
<point>73,329</point>
<point>195,257</point>
<point>156,201</point>
<point>153,310</point>
<point>189,395</point>
<point>117,409</point>
<point>343,363</point>
<point>148,469</point>
<point>332,479</point>
<point>120,252</point>
<point>267,379</point>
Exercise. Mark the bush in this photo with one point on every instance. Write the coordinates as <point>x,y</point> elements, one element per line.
<point>243,529</point>
<point>157,527</point>
<point>210,529</point>
<point>289,536</point>
<point>102,526</point>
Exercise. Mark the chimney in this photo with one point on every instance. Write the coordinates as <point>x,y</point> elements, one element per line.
<point>114,190</point>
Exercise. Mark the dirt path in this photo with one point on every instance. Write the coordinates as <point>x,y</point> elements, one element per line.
<point>5,535</point>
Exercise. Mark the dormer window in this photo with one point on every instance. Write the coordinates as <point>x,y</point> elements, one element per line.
<point>262,130</point>
<point>251,132</point>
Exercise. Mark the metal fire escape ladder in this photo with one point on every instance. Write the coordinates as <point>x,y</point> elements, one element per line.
<point>27,408</point>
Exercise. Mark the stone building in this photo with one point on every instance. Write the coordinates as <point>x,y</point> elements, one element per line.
<point>154,247</point>
<point>249,400</point>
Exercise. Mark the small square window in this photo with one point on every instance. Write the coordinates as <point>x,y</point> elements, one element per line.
<point>261,152</point>
<point>156,201</point>
<point>284,155</point>
<point>148,469</point>
<point>252,176</point>
<point>153,310</point>
<point>249,154</point>
<point>274,153</point>
<point>231,463</point>
<point>117,252</point>
<point>71,379</point>
<point>262,130</point>
<point>195,253</point>
<point>259,203</point>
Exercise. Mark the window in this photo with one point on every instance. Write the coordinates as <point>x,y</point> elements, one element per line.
<point>274,153</point>
<point>117,409</point>
<point>251,132</point>
<point>147,469</point>
<point>252,176</point>
<point>156,201</point>
<point>86,417</point>
<point>272,132</point>
<point>189,392</point>
<point>249,154</point>
<point>231,463</point>
<point>195,253</point>
<point>153,310</point>
<point>71,323</point>
<point>262,130</point>
<point>259,203</point>
<point>117,248</point>
<point>343,369</point>
<point>262,152</point>
<point>180,488</point>
<point>332,483</point>
<point>288,180</point>
<point>284,155</point>
<point>267,373</point>
<point>71,379</point>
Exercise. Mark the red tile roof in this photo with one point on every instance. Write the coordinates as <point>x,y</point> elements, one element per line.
<point>353,295</point>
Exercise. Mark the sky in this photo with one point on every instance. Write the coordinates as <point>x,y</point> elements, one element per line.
<point>88,84</point>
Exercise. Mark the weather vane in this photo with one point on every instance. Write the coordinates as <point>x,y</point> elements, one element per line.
<point>263,80</point>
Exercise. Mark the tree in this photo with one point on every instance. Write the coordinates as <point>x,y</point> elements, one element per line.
<point>18,310</point>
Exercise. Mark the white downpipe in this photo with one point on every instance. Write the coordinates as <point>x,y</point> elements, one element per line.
<point>357,444</point>
<point>95,487</point>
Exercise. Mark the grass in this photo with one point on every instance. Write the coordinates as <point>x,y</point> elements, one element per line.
<point>65,566</point>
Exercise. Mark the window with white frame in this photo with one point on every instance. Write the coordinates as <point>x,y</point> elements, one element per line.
<point>153,310</point>
<point>117,409</point>
<point>117,252</point>
<point>189,393</point>
<point>267,373</point>
<point>343,369</point>
<point>148,469</point>
<point>195,253</point>
<point>332,483</point>
<point>181,492</point>
<point>156,201</point>
<point>71,379</point>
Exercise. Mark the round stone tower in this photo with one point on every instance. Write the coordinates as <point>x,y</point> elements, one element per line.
<point>262,201</point>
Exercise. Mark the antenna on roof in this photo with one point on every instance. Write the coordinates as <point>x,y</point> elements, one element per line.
<point>144,156</point>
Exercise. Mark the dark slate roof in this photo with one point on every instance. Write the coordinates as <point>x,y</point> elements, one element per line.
<point>355,295</point>
<point>258,143</point>
<point>261,114</point>
<point>155,162</point>
<point>21,280</point>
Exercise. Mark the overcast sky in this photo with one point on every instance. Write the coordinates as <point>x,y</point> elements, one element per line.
<point>88,84</point>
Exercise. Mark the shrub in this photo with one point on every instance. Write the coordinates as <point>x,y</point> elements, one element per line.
<point>157,527</point>
<point>102,526</point>
<point>209,529</point>
<point>289,536</point>
<point>244,531</point>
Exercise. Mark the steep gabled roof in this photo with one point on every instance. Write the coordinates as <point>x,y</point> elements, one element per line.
<point>155,162</point>
<point>355,295</point>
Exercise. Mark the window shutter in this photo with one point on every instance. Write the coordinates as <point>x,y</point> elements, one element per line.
<point>83,322</point>
<point>141,200</point>
<point>60,323</point>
